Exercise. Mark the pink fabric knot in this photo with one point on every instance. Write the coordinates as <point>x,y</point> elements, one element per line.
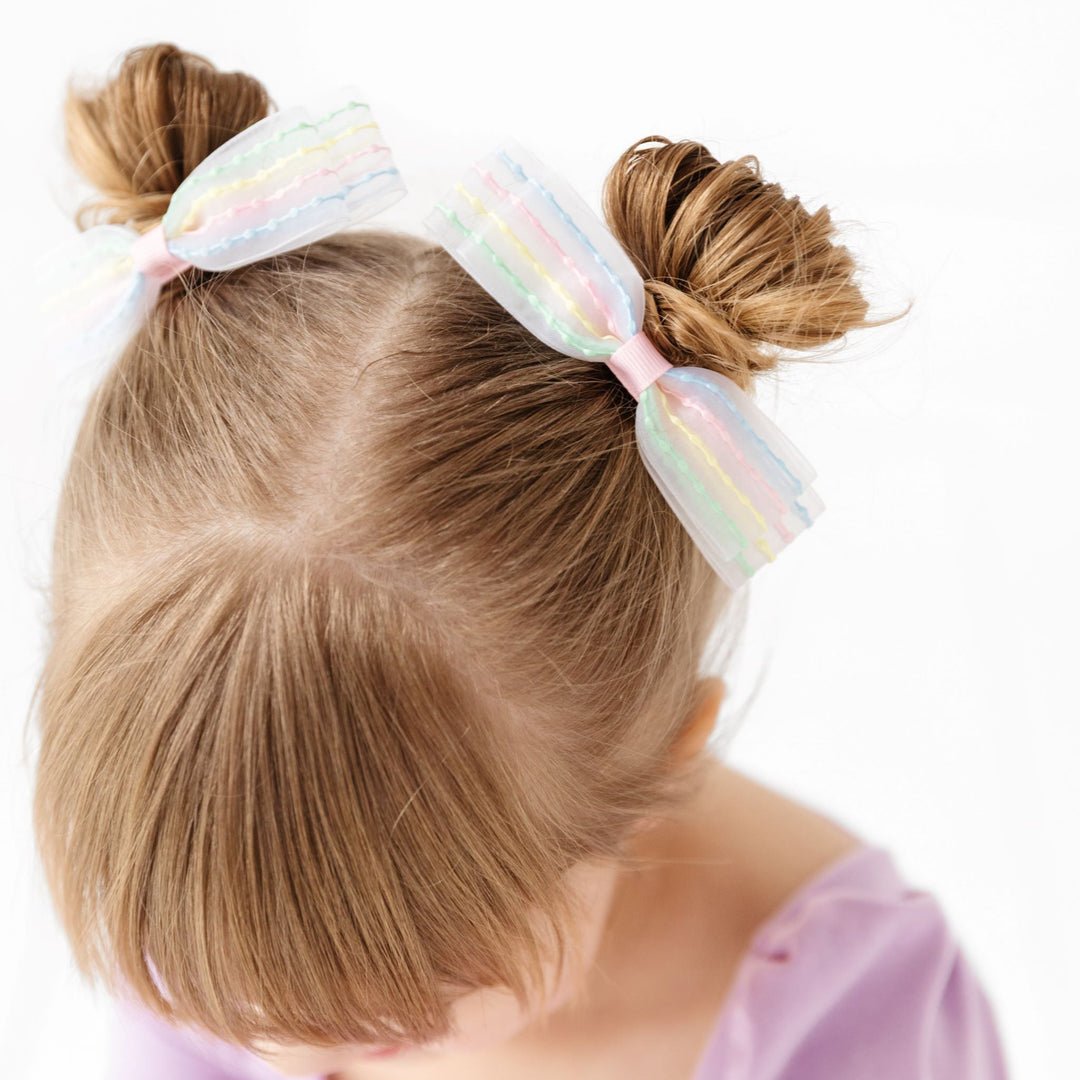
<point>638,363</point>
<point>153,258</point>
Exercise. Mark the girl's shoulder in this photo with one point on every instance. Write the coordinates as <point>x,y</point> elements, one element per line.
<point>850,970</point>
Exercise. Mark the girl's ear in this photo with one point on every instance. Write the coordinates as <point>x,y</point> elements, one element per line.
<point>694,735</point>
<point>700,725</point>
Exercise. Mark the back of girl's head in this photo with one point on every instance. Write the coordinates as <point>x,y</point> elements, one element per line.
<point>367,621</point>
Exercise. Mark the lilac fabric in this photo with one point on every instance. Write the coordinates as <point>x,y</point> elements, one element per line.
<point>857,975</point>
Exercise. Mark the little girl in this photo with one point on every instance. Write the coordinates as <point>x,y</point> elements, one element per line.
<point>373,728</point>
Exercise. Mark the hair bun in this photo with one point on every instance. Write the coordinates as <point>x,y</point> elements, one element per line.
<point>730,262</point>
<point>138,135</point>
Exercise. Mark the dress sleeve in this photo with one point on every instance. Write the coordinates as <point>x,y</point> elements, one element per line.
<point>858,979</point>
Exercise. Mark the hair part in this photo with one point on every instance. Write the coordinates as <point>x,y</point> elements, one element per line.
<point>367,622</point>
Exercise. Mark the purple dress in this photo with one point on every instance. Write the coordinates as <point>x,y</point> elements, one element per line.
<point>856,975</point>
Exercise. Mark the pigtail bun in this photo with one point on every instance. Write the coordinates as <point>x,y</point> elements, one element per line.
<point>137,136</point>
<point>731,264</point>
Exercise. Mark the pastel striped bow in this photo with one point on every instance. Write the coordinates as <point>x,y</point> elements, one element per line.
<point>740,488</point>
<point>288,180</point>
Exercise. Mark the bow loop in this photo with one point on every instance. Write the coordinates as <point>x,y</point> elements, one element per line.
<point>288,180</point>
<point>529,240</point>
<point>92,297</point>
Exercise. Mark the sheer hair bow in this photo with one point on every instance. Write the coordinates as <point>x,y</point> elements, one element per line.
<point>291,178</point>
<point>738,485</point>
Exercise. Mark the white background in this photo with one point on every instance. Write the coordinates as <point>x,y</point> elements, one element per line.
<point>920,640</point>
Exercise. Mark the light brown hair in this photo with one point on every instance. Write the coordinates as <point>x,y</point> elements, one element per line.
<point>366,620</point>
